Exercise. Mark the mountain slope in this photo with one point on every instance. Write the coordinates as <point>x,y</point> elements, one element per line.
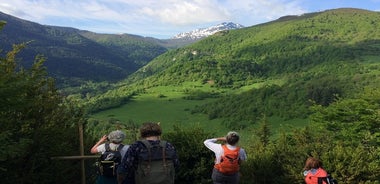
<point>286,63</point>
<point>272,48</point>
<point>76,56</point>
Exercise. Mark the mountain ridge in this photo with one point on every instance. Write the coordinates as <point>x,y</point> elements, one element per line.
<point>75,56</point>
<point>208,31</point>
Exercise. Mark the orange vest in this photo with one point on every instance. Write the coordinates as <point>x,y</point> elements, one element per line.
<point>229,162</point>
<point>311,178</point>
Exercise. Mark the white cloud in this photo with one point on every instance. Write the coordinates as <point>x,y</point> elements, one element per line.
<point>167,16</point>
<point>187,12</point>
<point>257,11</point>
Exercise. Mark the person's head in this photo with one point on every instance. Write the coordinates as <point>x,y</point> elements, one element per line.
<point>149,129</point>
<point>312,163</point>
<point>232,138</point>
<point>116,136</point>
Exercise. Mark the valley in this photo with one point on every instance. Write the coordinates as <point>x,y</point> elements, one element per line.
<point>295,87</point>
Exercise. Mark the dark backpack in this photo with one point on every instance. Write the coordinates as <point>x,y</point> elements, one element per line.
<point>328,180</point>
<point>109,161</point>
<point>155,164</point>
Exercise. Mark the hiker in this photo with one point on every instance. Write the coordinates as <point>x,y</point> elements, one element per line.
<point>149,160</point>
<point>313,170</point>
<point>109,144</point>
<point>228,157</point>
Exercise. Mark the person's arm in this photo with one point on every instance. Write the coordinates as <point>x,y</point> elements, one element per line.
<point>211,143</point>
<point>221,139</point>
<point>94,149</point>
<point>126,169</point>
<point>242,156</point>
<point>170,148</point>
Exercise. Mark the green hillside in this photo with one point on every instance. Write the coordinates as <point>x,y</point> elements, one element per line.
<point>277,47</point>
<point>75,57</point>
<point>283,66</point>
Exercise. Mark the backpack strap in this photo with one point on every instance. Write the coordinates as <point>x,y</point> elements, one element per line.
<point>164,163</point>
<point>120,147</point>
<point>323,179</point>
<point>148,146</point>
<point>107,146</point>
<point>224,146</point>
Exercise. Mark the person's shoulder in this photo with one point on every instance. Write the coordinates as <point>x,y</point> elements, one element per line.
<point>126,146</point>
<point>135,145</point>
<point>322,171</point>
<point>138,143</point>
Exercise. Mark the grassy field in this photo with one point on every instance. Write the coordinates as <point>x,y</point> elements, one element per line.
<point>167,106</point>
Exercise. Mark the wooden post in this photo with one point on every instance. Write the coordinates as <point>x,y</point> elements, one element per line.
<point>81,149</point>
<point>82,157</point>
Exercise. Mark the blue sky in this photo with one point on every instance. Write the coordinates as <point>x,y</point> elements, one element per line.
<point>165,18</point>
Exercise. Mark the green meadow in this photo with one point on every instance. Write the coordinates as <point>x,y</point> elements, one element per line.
<point>167,105</point>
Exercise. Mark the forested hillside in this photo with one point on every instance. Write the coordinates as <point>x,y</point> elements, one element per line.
<point>312,58</point>
<point>75,57</point>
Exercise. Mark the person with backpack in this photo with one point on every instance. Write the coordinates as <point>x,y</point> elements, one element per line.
<point>315,174</point>
<point>228,158</point>
<point>149,160</point>
<point>112,151</point>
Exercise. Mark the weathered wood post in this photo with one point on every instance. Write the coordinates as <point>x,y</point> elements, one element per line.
<point>81,149</point>
<point>81,156</point>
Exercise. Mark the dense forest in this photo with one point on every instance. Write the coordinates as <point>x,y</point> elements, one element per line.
<point>323,67</point>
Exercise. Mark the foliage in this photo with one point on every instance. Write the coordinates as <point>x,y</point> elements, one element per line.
<point>349,159</point>
<point>354,120</point>
<point>37,124</point>
<point>196,161</point>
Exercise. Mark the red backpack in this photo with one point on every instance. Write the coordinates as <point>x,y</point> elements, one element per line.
<point>229,162</point>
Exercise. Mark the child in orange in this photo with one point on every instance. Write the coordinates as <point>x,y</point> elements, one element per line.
<point>313,171</point>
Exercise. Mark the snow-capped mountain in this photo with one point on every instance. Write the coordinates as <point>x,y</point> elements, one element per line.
<point>204,32</point>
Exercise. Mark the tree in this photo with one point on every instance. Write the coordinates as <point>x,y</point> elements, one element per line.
<point>196,160</point>
<point>36,124</point>
<point>264,132</point>
<point>354,125</point>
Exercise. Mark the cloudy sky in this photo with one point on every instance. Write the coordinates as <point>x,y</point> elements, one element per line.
<point>165,18</point>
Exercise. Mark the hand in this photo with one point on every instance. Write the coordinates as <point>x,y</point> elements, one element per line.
<point>103,139</point>
<point>221,138</point>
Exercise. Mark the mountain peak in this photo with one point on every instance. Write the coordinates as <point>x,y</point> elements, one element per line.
<point>204,32</point>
